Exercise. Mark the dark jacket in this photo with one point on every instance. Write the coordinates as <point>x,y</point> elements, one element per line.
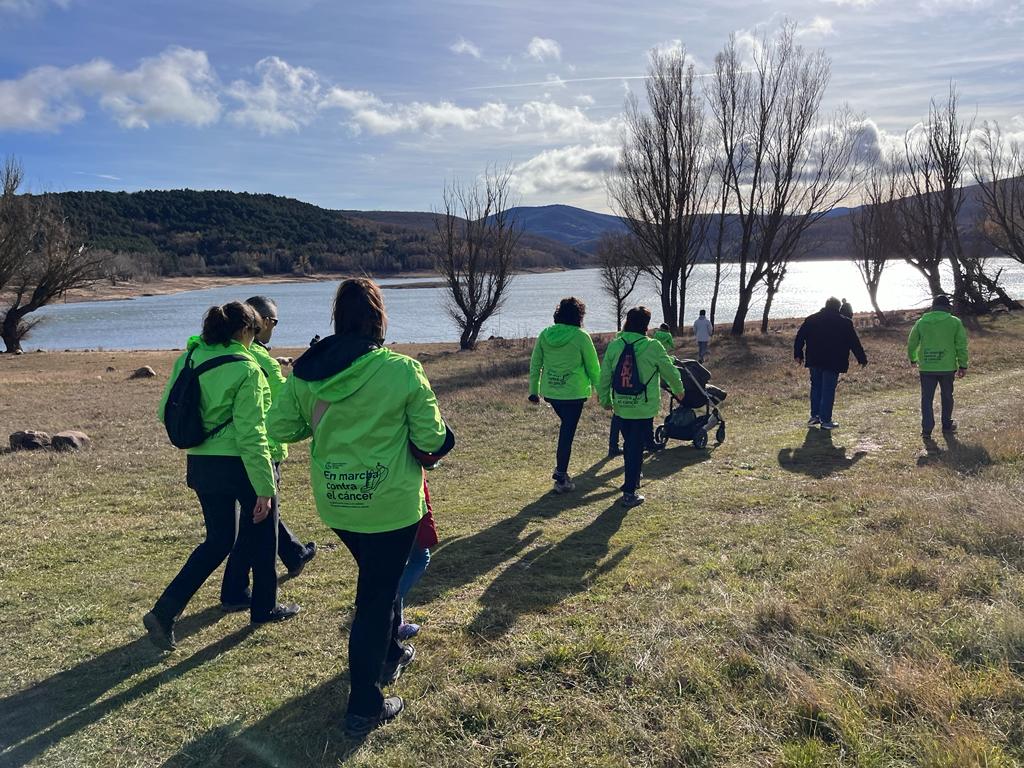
<point>829,338</point>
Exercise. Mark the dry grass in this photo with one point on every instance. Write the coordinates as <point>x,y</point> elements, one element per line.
<point>787,599</point>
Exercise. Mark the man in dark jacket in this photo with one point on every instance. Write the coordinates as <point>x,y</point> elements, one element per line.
<point>829,338</point>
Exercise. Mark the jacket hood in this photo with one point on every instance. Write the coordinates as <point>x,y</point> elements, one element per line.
<point>936,316</point>
<point>560,334</point>
<point>337,366</point>
<point>193,342</point>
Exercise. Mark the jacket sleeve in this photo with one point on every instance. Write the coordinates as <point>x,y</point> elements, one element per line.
<point>426,427</point>
<point>590,362</point>
<point>855,345</point>
<point>248,411</point>
<point>798,342</point>
<point>669,372</point>
<point>604,382</point>
<point>536,360</point>
<point>960,340</point>
<point>914,342</point>
<point>271,368</point>
<point>286,422</point>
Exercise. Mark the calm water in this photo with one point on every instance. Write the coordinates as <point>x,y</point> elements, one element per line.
<point>418,315</point>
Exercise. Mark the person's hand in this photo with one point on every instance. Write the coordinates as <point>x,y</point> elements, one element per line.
<point>535,399</point>
<point>607,407</point>
<point>262,508</point>
<point>961,372</point>
<point>798,360</point>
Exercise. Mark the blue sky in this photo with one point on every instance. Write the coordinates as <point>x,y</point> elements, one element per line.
<point>375,105</point>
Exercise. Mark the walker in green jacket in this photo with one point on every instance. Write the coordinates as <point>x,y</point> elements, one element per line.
<point>666,340</point>
<point>938,343</point>
<point>364,407</point>
<point>275,379</point>
<point>652,362</point>
<point>564,364</point>
<point>236,393</point>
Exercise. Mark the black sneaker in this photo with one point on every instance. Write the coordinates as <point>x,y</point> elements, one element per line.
<point>630,500</point>
<point>310,554</point>
<point>358,726</point>
<point>161,636</point>
<point>243,603</point>
<point>281,612</point>
<point>393,670</point>
<point>949,429</point>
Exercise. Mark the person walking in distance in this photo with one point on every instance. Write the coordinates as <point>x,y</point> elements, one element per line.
<point>846,309</point>
<point>937,345</point>
<point>703,330</point>
<point>293,553</point>
<point>828,338</point>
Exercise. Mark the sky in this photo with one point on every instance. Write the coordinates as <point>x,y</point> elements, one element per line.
<point>376,105</point>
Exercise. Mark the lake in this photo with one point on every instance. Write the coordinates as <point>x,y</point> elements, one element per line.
<point>418,314</point>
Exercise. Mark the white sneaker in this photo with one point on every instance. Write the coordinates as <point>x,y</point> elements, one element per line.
<point>830,425</point>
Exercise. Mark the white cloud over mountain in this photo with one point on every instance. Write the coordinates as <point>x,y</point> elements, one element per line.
<point>575,168</point>
<point>285,98</point>
<point>544,48</point>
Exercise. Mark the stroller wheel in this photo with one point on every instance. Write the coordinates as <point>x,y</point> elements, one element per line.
<point>701,440</point>
<point>659,436</point>
<point>720,433</point>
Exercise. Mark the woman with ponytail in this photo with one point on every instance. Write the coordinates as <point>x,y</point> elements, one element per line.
<point>229,470</point>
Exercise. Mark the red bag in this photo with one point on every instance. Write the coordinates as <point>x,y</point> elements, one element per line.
<point>426,534</point>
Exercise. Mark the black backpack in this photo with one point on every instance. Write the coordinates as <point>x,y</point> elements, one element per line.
<point>182,417</point>
<point>626,379</point>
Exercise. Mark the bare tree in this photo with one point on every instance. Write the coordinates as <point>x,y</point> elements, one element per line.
<point>786,167</point>
<point>39,259</point>
<point>874,228</point>
<point>661,182</point>
<point>998,167</point>
<point>478,240</point>
<point>617,260</point>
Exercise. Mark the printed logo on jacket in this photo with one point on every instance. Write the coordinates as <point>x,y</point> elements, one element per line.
<point>348,488</point>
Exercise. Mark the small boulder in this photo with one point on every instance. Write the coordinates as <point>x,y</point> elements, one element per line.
<point>70,440</point>
<point>145,372</point>
<point>29,440</point>
<point>111,369</point>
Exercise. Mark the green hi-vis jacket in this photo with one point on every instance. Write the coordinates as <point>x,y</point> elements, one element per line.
<point>564,363</point>
<point>938,343</point>
<point>237,391</point>
<point>372,403</point>
<point>652,363</point>
<point>666,340</point>
<point>272,370</point>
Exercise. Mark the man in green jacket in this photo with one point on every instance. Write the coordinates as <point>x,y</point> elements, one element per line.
<point>664,335</point>
<point>636,411</point>
<point>938,346</point>
<point>564,369</point>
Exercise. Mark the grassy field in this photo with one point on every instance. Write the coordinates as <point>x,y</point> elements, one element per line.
<point>790,598</point>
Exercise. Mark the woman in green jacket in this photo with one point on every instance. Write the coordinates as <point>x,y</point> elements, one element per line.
<point>232,465</point>
<point>564,369</point>
<point>372,415</point>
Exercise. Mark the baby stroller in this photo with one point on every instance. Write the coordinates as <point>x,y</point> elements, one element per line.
<point>683,422</point>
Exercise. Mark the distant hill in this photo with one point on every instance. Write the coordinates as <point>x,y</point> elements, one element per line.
<point>237,233</point>
<point>576,227</point>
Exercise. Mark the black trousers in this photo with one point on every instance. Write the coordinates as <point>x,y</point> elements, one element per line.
<point>635,433</point>
<point>568,412</point>
<point>929,382</point>
<point>614,431</point>
<point>373,639</point>
<point>227,499</point>
<point>235,587</point>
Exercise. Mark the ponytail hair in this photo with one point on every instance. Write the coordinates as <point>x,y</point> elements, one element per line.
<point>359,310</point>
<point>222,323</point>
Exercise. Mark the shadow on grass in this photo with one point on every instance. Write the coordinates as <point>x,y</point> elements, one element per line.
<point>547,575</point>
<point>673,458</point>
<point>960,457</point>
<point>304,731</point>
<point>38,718</point>
<point>818,457</point>
<point>460,561</point>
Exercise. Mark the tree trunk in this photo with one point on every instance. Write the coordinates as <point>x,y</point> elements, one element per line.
<point>742,308</point>
<point>619,302</point>
<point>668,301</point>
<point>469,336</point>
<point>767,310</point>
<point>718,282</point>
<point>9,332</point>
<point>678,329</point>
<point>873,295</point>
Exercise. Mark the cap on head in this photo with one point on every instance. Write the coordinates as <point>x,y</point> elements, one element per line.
<point>941,302</point>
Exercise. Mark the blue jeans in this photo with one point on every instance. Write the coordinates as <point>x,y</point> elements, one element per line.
<point>702,350</point>
<point>419,559</point>
<point>823,393</point>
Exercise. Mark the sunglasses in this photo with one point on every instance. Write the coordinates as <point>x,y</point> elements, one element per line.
<point>271,320</point>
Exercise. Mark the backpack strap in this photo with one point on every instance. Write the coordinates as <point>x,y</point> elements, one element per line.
<point>319,409</point>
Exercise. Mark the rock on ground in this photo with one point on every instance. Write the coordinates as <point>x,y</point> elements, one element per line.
<point>70,440</point>
<point>29,440</point>
<point>145,372</point>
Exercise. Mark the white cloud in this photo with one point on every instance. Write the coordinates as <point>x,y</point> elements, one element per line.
<point>544,48</point>
<point>31,7</point>
<point>585,99</point>
<point>819,26</point>
<point>575,168</point>
<point>462,45</point>
<point>176,86</point>
<point>285,98</point>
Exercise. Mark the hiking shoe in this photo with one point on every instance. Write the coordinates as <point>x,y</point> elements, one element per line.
<point>926,435</point>
<point>161,636</point>
<point>281,612</point>
<point>564,484</point>
<point>408,631</point>
<point>236,607</point>
<point>309,555</point>
<point>630,500</point>
<point>830,425</point>
<point>394,669</point>
<point>949,429</point>
<point>358,726</point>
<point>814,421</point>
